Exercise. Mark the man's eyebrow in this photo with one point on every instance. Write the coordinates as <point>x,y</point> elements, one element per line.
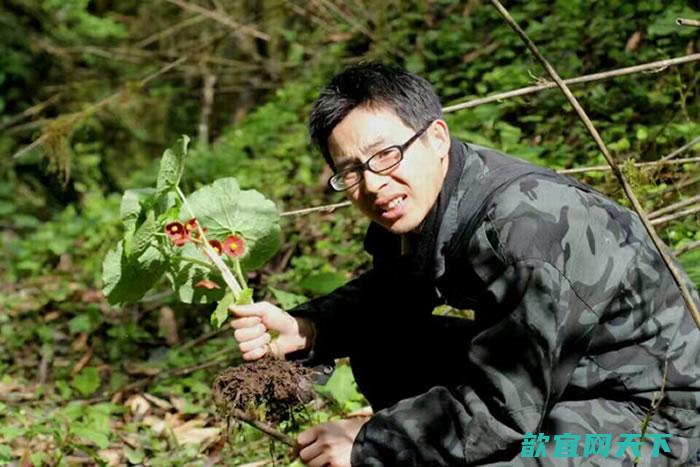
<point>367,149</point>
<point>373,145</point>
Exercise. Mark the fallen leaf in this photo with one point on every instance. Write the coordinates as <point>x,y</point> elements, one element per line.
<point>156,424</point>
<point>178,403</point>
<point>633,42</point>
<point>138,406</point>
<point>192,432</point>
<point>111,456</point>
<point>140,370</point>
<point>158,402</point>
<point>82,362</point>
<point>52,315</point>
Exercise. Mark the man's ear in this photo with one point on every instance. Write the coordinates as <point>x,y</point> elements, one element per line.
<point>439,137</point>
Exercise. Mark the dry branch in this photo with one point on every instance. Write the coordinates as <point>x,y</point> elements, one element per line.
<point>685,249</point>
<point>688,22</point>
<point>655,66</point>
<point>675,273</point>
<point>672,207</point>
<point>682,149</point>
<point>607,168</point>
<point>170,30</point>
<point>326,208</point>
<point>676,215</point>
<point>265,428</point>
<point>221,18</point>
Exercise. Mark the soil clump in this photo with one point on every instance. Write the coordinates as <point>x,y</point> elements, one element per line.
<point>277,385</point>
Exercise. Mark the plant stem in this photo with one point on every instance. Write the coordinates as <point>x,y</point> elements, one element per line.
<point>230,280</point>
<point>198,261</point>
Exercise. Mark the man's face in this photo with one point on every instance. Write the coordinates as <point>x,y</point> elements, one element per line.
<point>400,199</point>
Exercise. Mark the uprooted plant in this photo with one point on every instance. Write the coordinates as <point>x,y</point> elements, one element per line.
<point>205,244</point>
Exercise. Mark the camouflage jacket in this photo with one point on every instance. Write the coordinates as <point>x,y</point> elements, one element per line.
<point>577,316</point>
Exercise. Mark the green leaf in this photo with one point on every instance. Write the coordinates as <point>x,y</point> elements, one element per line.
<point>225,209</point>
<point>87,433</point>
<point>323,282</point>
<point>220,314</point>
<point>87,381</point>
<point>132,205</point>
<point>246,297</point>
<point>144,235</point>
<point>691,264</point>
<point>171,166</point>
<point>184,275</point>
<point>288,300</point>
<point>342,387</point>
<point>126,280</point>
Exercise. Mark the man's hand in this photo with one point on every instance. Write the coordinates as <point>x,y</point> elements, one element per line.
<point>329,444</point>
<point>254,323</point>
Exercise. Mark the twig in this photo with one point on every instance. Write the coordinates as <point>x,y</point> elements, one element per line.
<point>326,208</point>
<point>657,66</point>
<point>689,247</point>
<point>656,399</point>
<point>347,18</point>
<point>674,206</point>
<point>676,215</point>
<point>204,337</point>
<point>692,308</point>
<point>170,30</point>
<point>688,22</point>
<point>607,168</point>
<point>31,111</point>
<point>264,427</point>
<point>221,18</point>
<point>682,149</point>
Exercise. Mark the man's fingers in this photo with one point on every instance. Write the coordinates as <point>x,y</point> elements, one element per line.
<point>261,341</point>
<point>254,309</point>
<point>307,436</point>
<point>242,323</point>
<point>310,452</point>
<point>255,354</point>
<point>249,333</point>
<point>320,461</point>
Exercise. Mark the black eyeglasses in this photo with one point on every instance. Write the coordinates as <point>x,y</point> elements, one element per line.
<point>380,163</point>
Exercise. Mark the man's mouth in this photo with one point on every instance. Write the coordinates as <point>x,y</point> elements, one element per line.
<point>393,209</point>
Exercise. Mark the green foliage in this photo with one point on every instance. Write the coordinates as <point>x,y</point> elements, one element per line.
<point>55,231</point>
<point>226,209</point>
<point>144,255</point>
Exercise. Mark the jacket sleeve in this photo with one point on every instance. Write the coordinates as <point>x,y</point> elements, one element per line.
<point>337,317</point>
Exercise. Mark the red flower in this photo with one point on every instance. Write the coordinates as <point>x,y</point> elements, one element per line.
<point>234,246</point>
<point>216,245</point>
<point>192,228</point>
<point>191,225</point>
<point>207,284</point>
<point>177,233</point>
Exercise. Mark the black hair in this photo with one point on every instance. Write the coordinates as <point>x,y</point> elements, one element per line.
<point>374,85</point>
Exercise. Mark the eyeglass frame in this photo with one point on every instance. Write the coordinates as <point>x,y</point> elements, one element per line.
<point>363,166</point>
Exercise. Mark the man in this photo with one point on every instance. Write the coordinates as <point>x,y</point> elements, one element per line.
<point>577,323</point>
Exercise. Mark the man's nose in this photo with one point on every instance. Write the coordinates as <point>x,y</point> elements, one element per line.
<point>374,182</point>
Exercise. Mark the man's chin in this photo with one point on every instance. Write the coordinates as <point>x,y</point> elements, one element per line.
<point>400,226</point>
